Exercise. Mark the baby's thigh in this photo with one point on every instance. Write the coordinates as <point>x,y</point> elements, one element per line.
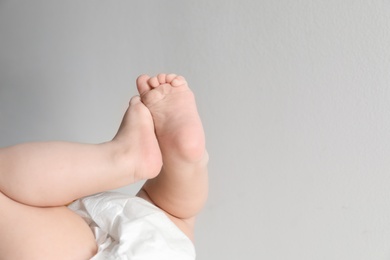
<point>43,233</point>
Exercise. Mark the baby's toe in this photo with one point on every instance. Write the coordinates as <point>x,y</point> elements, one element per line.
<point>142,84</point>
<point>153,82</point>
<point>178,81</point>
<point>162,78</point>
<point>170,77</point>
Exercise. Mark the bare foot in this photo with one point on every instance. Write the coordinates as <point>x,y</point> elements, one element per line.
<point>172,104</point>
<point>137,141</point>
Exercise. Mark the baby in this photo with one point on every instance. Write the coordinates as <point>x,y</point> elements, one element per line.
<point>160,140</point>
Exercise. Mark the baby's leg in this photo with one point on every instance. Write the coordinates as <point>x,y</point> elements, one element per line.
<point>55,173</point>
<point>181,187</point>
<point>43,233</point>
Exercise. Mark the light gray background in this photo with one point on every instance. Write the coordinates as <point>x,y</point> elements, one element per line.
<point>294,95</point>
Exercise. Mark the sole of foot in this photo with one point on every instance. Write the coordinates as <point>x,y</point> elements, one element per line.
<point>177,123</point>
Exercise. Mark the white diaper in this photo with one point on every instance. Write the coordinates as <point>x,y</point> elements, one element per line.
<point>132,228</point>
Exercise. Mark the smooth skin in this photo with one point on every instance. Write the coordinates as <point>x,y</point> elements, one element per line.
<point>160,140</point>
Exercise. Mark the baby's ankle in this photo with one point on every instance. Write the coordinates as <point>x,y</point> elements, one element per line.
<point>121,155</point>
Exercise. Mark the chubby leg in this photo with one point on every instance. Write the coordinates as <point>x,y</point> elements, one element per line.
<point>181,187</point>
<point>33,233</point>
<point>56,173</point>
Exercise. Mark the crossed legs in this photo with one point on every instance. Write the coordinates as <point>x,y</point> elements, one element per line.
<point>160,135</point>
<point>37,179</point>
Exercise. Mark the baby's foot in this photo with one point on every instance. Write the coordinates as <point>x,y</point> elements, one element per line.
<point>177,123</point>
<point>138,141</point>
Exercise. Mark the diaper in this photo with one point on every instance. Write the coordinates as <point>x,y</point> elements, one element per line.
<point>128,227</point>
